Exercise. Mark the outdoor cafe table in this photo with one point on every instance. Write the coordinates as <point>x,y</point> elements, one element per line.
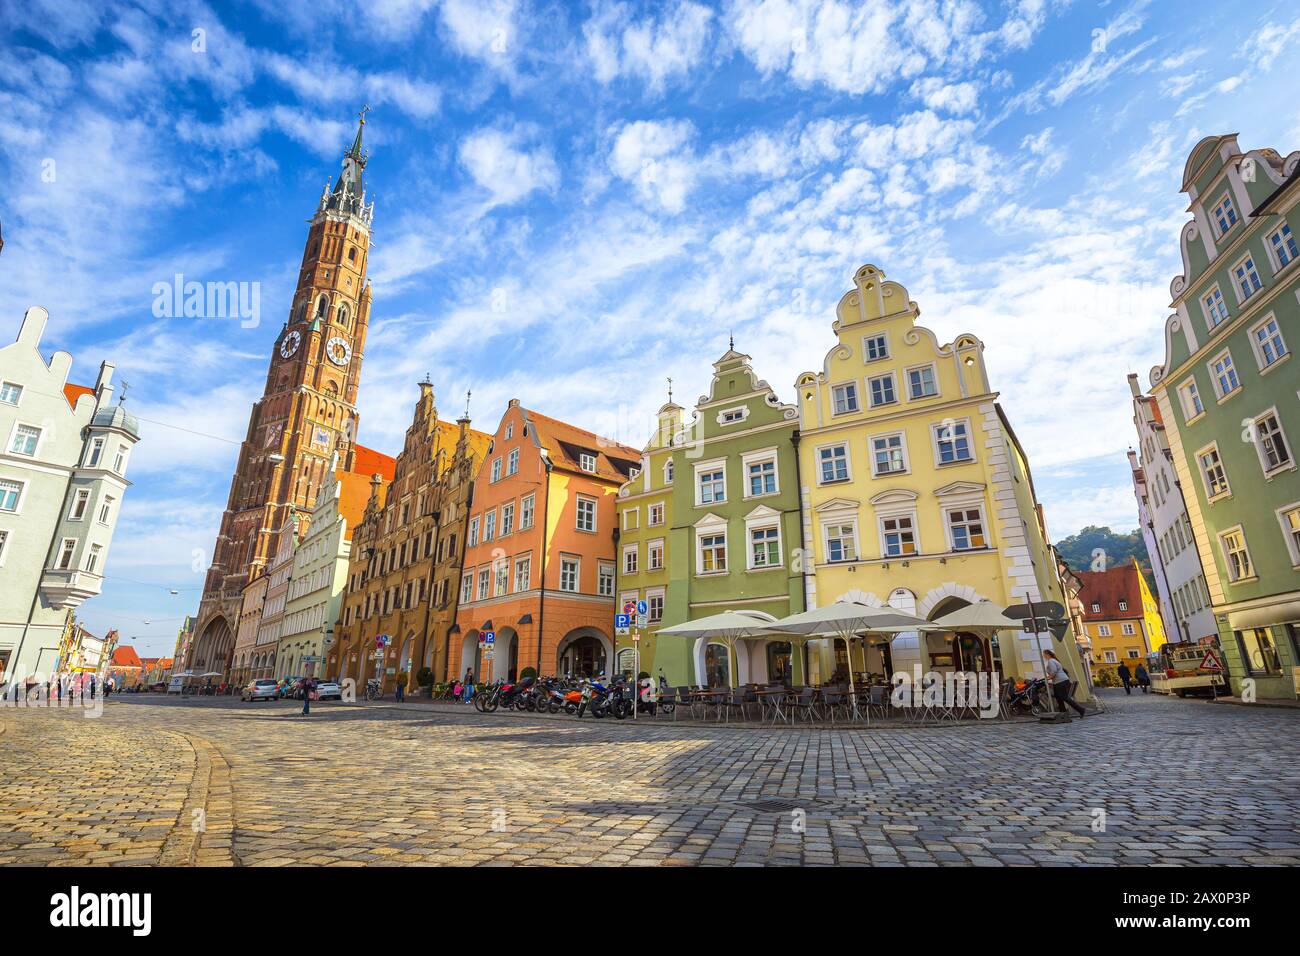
<point>705,694</point>
<point>778,696</point>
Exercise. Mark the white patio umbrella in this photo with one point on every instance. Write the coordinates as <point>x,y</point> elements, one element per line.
<point>846,620</point>
<point>729,627</point>
<point>984,618</point>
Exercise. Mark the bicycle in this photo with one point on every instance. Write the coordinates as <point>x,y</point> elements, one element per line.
<point>374,691</point>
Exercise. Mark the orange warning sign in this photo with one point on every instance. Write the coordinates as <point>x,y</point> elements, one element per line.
<point>1211,662</point>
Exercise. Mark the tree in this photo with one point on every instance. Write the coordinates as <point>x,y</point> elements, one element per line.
<point>1097,549</point>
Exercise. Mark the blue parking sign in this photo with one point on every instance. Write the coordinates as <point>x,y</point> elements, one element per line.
<point>622,620</point>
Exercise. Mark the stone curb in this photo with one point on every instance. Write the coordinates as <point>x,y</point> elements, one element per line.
<point>204,830</point>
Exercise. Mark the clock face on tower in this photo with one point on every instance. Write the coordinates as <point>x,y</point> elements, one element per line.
<point>338,350</point>
<point>290,343</point>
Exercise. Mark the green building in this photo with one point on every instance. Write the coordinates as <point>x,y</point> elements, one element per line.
<point>711,523</point>
<point>1227,393</point>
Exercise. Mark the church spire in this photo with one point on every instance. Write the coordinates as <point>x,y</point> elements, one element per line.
<point>349,194</point>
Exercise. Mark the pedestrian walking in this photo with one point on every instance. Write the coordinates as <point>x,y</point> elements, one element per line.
<point>308,688</point>
<point>400,692</point>
<point>1125,678</point>
<point>1060,682</point>
<point>1142,677</point>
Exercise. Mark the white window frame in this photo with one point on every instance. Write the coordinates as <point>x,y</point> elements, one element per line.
<point>631,519</point>
<point>935,428</point>
<point>5,537</point>
<point>1210,493</point>
<point>897,515</point>
<point>875,336</point>
<point>1228,564</point>
<point>588,500</point>
<point>496,470</point>
<point>1289,464</point>
<point>652,596</point>
<point>1127,629</point>
<point>575,561</point>
<point>512,462</point>
<point>80,505</point>
<point>1103,630</point>
<point>848,463</point>
<point>587,461</point>
<point>1274,250</point>
<point>473,532</point>
<point>527,510</point>
<point>489,525</point>
<point>902,447</point>
<point>104,511</point>
<point>65,557</point>
<point>934,378</point>
<point>946,507</point>
<point>605,578</point>
<point>510,431</point>
<point>892,378</point>
<point>850,521</point>
<point>18,499</point>
<point>1292,544</point>
<point>94,452</point>
<point>1229,214</point>
<point>1214,375</point>
<point>766,524</point>
<point>1186,388</point>
<point>857,399</point>
<point>711,532</point>
<point>13,440</point>
<point>651,510</point>
<point>761,456</point>
<point>733,416</point>
<point>653,548</point>
<point>1252,270</point>
<point>524,570</point>
<point>483,587</point>
<point>94,554</point>
<point>507,518</point>
<point>1276,338</point>
<point>631,559</point>
<point>6,384</point>
<point>708,467</point>
<point>1210,313</point>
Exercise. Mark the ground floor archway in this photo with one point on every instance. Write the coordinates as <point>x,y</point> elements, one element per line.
<point>585,652</point>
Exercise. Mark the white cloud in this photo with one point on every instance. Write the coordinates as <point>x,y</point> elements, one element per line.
<point>656,158</point>
<point>656,50</point>
<point>502,164</point>
<point>335,83</point>
<point>955,98</point>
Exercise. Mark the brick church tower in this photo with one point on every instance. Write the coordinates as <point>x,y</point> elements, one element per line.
<point>307,410</point>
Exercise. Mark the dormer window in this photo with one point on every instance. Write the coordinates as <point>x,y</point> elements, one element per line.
<point>875,347</point>
<point>1096,608</point>
<point>732,415</point>
<point>587,461</point>
<point>1224,214</point>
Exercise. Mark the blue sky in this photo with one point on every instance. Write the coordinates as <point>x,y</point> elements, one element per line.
<point>574,201</point>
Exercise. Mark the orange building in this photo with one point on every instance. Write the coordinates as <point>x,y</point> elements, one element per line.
<point>539,562</point>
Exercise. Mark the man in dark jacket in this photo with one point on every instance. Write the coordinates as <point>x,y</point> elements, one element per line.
<point>1125,677</point>
<point>1142,677</point>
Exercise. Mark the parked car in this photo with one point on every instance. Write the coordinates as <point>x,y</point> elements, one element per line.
<point>264,688</point>
<point>329,690</point>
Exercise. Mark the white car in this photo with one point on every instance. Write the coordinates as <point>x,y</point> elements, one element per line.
<point>329,690</point>
<point>261,689</point>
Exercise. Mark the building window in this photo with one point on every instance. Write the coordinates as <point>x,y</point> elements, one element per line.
<point>1216,479</point>
<point>1258,652</point>
<point>1123,605</point>
<point>66,550</point>
<point>631,555</point>
<point>631,519</point>
<point>967,527</point>
<point>875,347</point>
<point>1127,629</point>
<point>512,461</point>
<point>586,513</point>
<point>1190,397</point>
<point>1224,214</point>
<point>496,469</point>
<point>484,582</point>
<point>1246,276</point>
<point>842,541</point>
<point>507,519</point>
<point>668,472</point>
<point>26,438</point>
<point>106,509</point>
<point>1236,555</point>
<point>96,452</point>
<point>1103,630</point>
<point>1290,519</point>
<point>655,555</point>
<point>523,572</point>
<point>526,513</point>
<point>10,393</point>
<point>898,536</point>
<point>1271,443</point>
<point>1216,310</point>
<point>881,388</point>
<point>605,579</point>
<point>1266,338</point>
<point>1110,656</point>
<point>92,558</point>
<point>761,477</point>
<point>712,486</point>
<point>473,532</point>
<point>510,430</point>
<point>1283,246</point>
<point>655,514</point>
<point>765,547</point>
<point>1096,608</point>
<point>569,574</point>
<point>4,541</point>
<point>587,461</point>
<point>490,525</point>
<point>80,502</point>
<point>888,455</point>
<point>655,602</point>
<point>1224,374</point>
<point>845,398</point>
<point>731,416</point>
<point>834,463</point>
<point>921,382</point>
<point>502,569</point>
<point>952,442</point>
<point>713,553</point>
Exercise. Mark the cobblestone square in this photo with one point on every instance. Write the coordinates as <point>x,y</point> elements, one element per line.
<point>1179,783</point>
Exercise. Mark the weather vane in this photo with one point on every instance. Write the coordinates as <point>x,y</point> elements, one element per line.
<point>670,389</point>
<point>125,385</point>
<point>468,393</point>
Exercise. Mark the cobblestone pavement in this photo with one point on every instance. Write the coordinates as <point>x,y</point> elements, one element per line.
<point>1179,782</point>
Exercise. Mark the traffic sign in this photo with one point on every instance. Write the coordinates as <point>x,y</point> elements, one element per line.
<point>1211,662</point>
<point>1033,625</point>
<point>1042,608</point>
<point>642,607</point>
<point>489,637</point>
<point>629,607</point>
<point>622,624</point>
<point>641,619</point>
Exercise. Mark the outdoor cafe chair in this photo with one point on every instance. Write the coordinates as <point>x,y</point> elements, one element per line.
<point>805,703</point>
<point>878,699</point>
<point>736,701</point>
<point>833,701</point>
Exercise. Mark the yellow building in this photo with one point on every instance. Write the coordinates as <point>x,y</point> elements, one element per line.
<point>916,492</point>
<point>1121,615</point>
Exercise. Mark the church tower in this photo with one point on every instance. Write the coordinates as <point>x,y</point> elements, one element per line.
<point>307,410</point>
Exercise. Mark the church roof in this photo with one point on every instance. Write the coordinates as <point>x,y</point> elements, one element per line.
<point>125,656</point>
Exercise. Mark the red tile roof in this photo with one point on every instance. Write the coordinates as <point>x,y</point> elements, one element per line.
<point>125,656</point>
<point>370,462</point>
<point>1107,588</point>
<point>565,443</point>
<point>354,492</point>
<point>73,392</point>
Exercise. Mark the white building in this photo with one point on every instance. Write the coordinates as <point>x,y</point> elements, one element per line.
<point>277,590</point>
<point>320,573</point>
<point>63,467</point>
<point>1166,527</point>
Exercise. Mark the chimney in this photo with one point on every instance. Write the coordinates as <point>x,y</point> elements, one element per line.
<point>104,385</point>
<point>1133,385</point>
